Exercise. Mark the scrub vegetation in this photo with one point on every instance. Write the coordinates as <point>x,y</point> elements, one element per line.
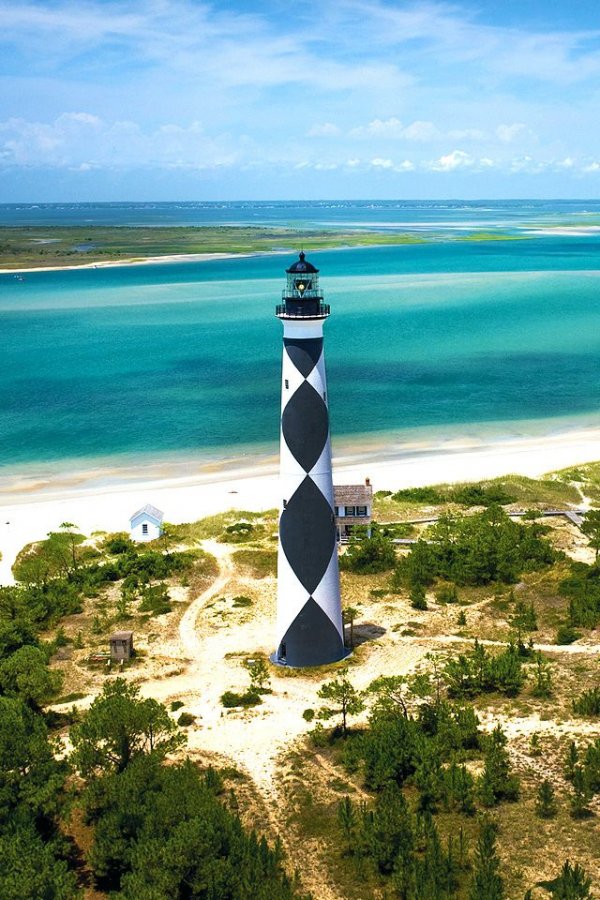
<point>454,754</point>
<point>43,246</point>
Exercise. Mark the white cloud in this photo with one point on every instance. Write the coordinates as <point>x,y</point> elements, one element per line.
<point>527,164</point>
<point>467,134</point>
<point>85,83</point>
<point>508,133</point>
<point>421,131</point>
<point>327,129</point>
<point>393,129</point>
<point>379,163</point>
<point>76,140</point>
<point>381,128</point>
<point>592,167</point>
<point>458,159</point>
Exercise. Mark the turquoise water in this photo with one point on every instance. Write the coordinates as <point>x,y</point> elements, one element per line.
<point>184,358</point>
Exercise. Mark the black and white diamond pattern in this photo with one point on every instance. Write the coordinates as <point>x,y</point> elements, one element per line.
<point>309,627</point>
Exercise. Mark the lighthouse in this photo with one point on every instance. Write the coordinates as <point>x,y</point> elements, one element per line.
<point>309,613</point>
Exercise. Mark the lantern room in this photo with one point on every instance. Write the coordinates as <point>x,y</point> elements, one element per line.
<point>302,298</point>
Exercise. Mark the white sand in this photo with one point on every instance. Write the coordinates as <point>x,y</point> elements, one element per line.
<point>142,261</point>
<point>30,509</point>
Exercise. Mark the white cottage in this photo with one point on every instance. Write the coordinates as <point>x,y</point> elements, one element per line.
<point>146,524</point>
<point>353,506</point>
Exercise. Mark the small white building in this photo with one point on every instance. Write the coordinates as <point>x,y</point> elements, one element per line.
<point>353,506</point>
<point>146,524</point>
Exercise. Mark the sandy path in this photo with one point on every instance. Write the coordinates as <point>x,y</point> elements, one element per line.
<point>572,649</point>
<point>192,646</point>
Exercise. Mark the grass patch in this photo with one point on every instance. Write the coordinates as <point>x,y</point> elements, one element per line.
<point>70,698</point>
<point>256,563</point>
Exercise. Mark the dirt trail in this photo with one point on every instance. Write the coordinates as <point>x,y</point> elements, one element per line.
<point>590,649</point>
<point>192,646</point>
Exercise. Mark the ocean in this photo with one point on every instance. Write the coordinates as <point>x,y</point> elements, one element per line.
<point>172,360</point>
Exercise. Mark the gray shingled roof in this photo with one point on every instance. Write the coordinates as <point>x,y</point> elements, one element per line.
<point>149,510</point>
<point>353,494</point>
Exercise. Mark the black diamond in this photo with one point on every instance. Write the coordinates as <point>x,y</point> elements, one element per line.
<point>307,534</point>
<point>305,425</point>
<point>304,353</point>
<point>312,639</point>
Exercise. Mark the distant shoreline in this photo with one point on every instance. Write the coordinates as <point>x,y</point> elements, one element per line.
<point>104,499</point>
<point>60,248</point>
<point>142,261</point>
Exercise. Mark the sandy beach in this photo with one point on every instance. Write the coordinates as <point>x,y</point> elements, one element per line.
<point>103,500</point>
<point>134,261</point>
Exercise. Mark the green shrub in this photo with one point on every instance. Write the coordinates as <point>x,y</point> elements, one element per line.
<point>566,635</point>
<point>119,544</point>
<point>479,671</point>
<point>231,700</point>
<point>420,495</point>
<point>446,593</point>
<point>475,550</point>
<point>308,715</point>
<point>241,533</point>
<point>186,719</point>
<point>588,703</point>
<point>417,597</point>
<point>242,601</point>
<point>176,704</point>
<point>155,599</point>
<point>367,556</point>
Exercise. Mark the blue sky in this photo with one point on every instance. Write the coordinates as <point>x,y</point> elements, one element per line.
<point>190,100</point>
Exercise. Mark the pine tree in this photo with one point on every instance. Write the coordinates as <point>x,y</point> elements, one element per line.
<point>571,761</point>
<point>487,883</point>
<point>543,677</point>
<point>571,884</point>
<point>497,783</point>
<point>545,804</point>
<point>391,834</point>
<point>346,700</point>
<point>581,794</point>
<point>347,820</point>
<point>591,528</point>
<point>417,597</point>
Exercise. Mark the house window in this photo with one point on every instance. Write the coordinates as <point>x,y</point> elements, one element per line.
<point>350,510</point>
<point>145,528</point>
<point>336,510</point>
<point>287,384</point>
<point>285,504</point>
<point>361,510</point>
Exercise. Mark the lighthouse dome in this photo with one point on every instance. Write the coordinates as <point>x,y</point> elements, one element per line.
<point>302,266</point>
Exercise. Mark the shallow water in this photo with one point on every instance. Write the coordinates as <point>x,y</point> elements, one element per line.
<point>184,357</point>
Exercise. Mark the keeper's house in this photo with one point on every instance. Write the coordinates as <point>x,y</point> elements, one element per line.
<point>353,505</point>
<point>146,524</point>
